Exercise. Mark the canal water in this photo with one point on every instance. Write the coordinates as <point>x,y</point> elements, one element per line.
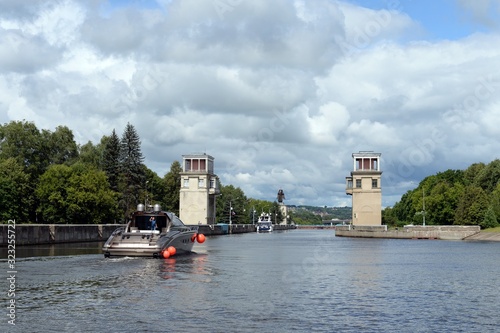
<point>293,281</point>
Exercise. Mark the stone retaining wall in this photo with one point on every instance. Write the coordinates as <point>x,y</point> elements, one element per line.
<point>409,232</point>
<point>31,234</point>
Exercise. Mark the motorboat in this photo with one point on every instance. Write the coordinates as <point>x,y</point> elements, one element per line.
<point>152,233</point>
<point>264,223</point>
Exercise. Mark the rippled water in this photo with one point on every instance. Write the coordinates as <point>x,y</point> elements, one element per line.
<point>295,281</point>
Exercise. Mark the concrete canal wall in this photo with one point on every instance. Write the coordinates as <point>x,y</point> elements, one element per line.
<point>33,234</point>
<point>408,232</point>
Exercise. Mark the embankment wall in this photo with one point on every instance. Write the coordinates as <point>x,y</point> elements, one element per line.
<point>32,234</point>
<point>409,232</point>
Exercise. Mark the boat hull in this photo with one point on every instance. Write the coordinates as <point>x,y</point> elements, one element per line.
<point>264,229</point>
<point>150,244</point>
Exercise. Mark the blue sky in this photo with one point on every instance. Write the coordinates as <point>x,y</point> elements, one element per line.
<point>445,19</point>
<point>280,92</point>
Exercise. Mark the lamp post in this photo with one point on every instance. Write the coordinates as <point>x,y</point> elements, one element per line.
<point>423,205</point>
<point>253,215</point>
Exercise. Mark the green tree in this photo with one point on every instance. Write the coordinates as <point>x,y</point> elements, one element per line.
<point>388,217</point>
<point>490,220</point>
<point>75,194</point>
<point>231,205</point>
<point>154,189</point>
<point>442,202</point>
<point>111,160</point>
<point>495,201</point>
<point>89,198</point>
<point>91,154</point>
<point>15,192</point>
<point>471,206</point>
<point>471,173</point>
<point>172,181</point>
<point>404,210</point>
<point>23,141</point>
<point>59,146</point>
<point>52,194</point>
<point>132,170</point>
<point>489,176</point>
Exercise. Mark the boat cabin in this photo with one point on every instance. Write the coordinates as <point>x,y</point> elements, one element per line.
<point>141,220</point>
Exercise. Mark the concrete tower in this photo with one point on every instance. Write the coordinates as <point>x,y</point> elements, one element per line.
<point>365,187</point>
<point>199,188</point>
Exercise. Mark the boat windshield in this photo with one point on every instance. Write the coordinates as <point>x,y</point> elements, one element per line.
<point>143,222</point>
<point>176,222</point>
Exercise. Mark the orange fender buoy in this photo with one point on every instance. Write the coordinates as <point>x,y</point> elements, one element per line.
<point>172,250</point>
<point>166,254</point>
<point>200,238</point>
<point>193,238</point>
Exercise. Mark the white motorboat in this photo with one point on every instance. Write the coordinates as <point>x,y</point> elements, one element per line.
<point>264,224</point>
<point>152,233</point>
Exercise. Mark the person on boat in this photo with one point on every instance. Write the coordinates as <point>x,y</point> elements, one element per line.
<point>153,223</point>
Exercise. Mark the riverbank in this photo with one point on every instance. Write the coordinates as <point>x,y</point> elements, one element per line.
<point>410,232</point>
<point>485,236</point>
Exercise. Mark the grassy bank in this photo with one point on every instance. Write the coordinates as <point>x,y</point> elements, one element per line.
<point>497,229</point>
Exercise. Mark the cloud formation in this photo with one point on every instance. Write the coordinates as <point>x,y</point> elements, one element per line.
<point>281,93</point>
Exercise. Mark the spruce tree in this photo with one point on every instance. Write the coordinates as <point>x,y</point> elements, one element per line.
<point>132,168</point>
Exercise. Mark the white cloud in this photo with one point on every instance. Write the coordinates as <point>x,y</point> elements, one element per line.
<point>281,93</point>
<point>328,124</point>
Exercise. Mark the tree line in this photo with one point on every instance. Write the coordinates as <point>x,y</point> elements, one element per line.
<point>46,177</point>
<point>452,197</point>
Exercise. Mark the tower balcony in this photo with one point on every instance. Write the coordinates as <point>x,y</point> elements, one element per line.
<point>349,186</point>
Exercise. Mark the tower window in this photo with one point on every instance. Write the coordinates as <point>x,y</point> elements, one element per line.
<point>358,183</point>
<point>201,182</point>
<point>186,182</point>
<point>374,183</point>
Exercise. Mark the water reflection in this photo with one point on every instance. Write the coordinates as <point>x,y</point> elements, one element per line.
<point>191,266</point>
<point>300,281</point>
<point>52,250</point>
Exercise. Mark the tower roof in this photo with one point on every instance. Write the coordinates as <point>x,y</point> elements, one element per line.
<point>366,153</point>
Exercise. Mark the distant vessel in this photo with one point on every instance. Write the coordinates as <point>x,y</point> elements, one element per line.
<point>264,224</point>
<point>152,233</point>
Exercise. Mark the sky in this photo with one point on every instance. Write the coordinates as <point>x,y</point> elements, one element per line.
<point>279,92</point>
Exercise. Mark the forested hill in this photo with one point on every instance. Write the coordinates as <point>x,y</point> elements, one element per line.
<point>316,215</point>
<point>452,197</point>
